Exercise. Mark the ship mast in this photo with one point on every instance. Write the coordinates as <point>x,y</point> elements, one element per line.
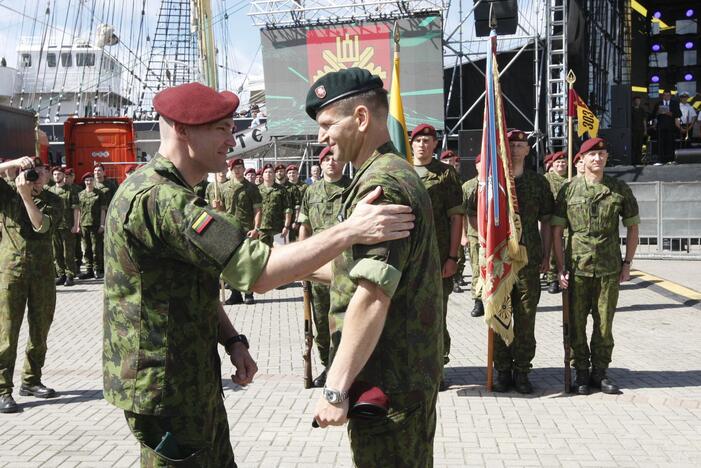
<point>202,20</point>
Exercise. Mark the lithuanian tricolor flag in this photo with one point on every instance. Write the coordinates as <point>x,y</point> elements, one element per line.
<point>395,120</point>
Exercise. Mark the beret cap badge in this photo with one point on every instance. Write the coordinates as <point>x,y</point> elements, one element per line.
<point>320,92</point>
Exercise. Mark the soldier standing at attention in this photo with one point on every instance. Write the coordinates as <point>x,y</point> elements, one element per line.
<point>443,186</point>
<point>320,207</point>
<point>165,250</point>
<point>70,183</point>
<point>451,158</point>
<point>243,202</point>
<point>590,207</point>
<point>221,186</point>
<point>556,174</point>
<point>535,203</point>
<point>107,186</point>
<point>26,262</point>
<point>92,225</point>
<point>300,188</point>
<point>67,228</point>
<point>280,177</point>
<point>250,175</point>
<point>579,164</point>
<point>469,194</point>
<point>385,330</point>
<point>259,177</point>
<point>276,211</point>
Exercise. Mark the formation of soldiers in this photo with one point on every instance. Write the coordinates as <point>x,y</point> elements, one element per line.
<point>382,249</point>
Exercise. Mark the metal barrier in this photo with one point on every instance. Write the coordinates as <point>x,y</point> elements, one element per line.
<point>670,219</point>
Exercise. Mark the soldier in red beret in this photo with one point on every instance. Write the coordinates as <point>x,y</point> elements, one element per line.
<point>296,189</point>
<point>469,194</point>
<point>452,158</point>
<point>250,175</point>
<point>165,250</point>
<point>556,175</point>
<point>535,201</point>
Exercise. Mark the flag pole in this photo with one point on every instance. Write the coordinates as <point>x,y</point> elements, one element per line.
<point>571,78</point>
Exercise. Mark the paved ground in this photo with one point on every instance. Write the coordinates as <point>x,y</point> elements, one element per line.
<point>656,421</point>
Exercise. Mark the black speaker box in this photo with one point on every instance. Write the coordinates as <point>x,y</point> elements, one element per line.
<point>469,146</point>
<point>618,145</point>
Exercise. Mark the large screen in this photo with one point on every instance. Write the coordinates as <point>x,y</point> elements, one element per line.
<point>294,58</point>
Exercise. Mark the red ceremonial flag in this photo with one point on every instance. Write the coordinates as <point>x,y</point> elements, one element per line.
<point>501,255</point>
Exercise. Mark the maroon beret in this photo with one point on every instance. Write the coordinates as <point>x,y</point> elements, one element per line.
<point>58,168</point>
<point>292,167</point>
<point>367,401</point>
<point>576,158</point>
<point>517,135</point>
<point>259,172</point>
<point>423,129</point>
<point>87,175</point>
<point>248,171</point>
<point>195,104</point>
<point>447,154</point>
<point>234,162</point>
<point>478,158</point>
<point>278,167</point>
<point>592,144</point>
<point>68,171</point>
<point>324,153</point>
<point>268,166</point>
<point>96,165</point>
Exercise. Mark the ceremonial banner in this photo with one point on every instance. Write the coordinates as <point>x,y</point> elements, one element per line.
<point>395,120</point>
<point>501,255</point>
<point>586,120</point>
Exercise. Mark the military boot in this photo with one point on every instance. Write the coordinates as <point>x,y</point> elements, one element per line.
<point>235,298</point>
<point>8,404</point>
<point>39,390</point>
<point>69,281</point>
<point>478,309</point>
<point>582,381</point>
<point>89,273</point>
<point>248,299</point>
<point>456,286</point>
<point>503,382</point>
<point>521,383</point>
<point>554,287</point>
<point>599,380</point>
<point>60,280</point>
<point>99,274</point>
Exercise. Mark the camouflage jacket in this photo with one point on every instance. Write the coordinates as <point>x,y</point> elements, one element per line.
<point>211,187</point>
<point>91,204</point>
<point>276,203</point>
<point>409,353</point>
<point>443,185</point>
<point>238,203</point>
<point>201,189</point>
<point>69,199</point>
<point>322,203</point>
<point>535,203</point>
<point>301,190</point>
<point>591,212</point>
<point>556,182</point>
<point>469,204</point>
<point>22,248</point>
<point>164,251</point>
<point>107,189</point>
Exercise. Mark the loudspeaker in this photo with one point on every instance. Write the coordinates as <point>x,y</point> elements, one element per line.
<point>688,156</point>
<point>618,145</point>
<point>506,12</point>
<point>620,106</point>
<point>469,146</point>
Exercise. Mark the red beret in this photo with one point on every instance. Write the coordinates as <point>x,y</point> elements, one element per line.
<point>324,153</point>
<point>447,154</point>
<point>87,175</point>
<point>292,167</point>
<point>366,400</point>
<point>478,158</point>
<point>592,144</point>
<point>98,165</point>
<point>58,168</point>
<point>268,166</point>
<point>259,172</point>
<point>278,167</point>
<point>423,129</point>
<point>576,159</point>
<point>248,171</point>
<point>234,162</point>
<point>195,104</point>
<point>68,171</point>
<point>517,135</point>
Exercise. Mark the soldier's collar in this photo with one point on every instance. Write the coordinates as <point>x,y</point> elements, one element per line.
<point>164,166</point>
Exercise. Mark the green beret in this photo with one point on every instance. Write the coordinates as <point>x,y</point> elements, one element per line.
<point>339,85</point>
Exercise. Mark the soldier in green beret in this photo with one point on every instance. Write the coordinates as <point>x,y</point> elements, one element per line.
<point>319,211</point>
<point>67,228</point>
<point>590,207</point>
<point>92,225</point>
<point>385,330</point>
<point>165,250</point>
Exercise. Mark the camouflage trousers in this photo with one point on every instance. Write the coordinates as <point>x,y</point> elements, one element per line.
<point>447,289</point>
<point>552,272</point>
<point>64,252</point>
<point>524,300</point>
<point>267,236</point>
<point>461,263</point>
<point>203,440</point>
<point>402,439</point>
<point>474,251</point>
<point>93,248</point>
<point>321,299</point>
<point>34,289</point>
<point>599,297</point>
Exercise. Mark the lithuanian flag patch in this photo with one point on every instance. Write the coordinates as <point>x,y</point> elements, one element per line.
<point>201,223</point>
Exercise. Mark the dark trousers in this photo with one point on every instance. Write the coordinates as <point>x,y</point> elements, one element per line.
<point>637,148</point>
<point>665,145</point>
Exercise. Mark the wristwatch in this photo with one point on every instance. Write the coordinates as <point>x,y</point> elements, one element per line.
<point>334,397</point>
<point>235,339</point>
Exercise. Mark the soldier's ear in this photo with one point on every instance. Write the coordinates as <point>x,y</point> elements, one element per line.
<point>362,117</point>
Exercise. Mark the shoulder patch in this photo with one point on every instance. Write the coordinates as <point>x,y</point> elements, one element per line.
<point>202,222</point>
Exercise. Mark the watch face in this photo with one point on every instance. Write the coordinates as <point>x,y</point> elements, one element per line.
<point>331,396</point>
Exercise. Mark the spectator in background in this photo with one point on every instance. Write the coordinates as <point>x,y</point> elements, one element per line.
<point>667,113</point>
<point>688,119</point>
<point>638,127</point>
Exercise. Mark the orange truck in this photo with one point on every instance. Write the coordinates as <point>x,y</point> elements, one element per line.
<point>105,140</point>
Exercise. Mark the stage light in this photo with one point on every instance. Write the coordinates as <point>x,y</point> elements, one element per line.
<point>689,12</point>
<point>688,77</point>
<point>657,14</point>
<point>689,45</point>
<point>655,78</point>
<point>656,47</point>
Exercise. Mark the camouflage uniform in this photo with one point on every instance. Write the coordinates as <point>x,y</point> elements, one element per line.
<point>78,247</point>
<point>201,189</point>
<point>407,361</point>
<point>107,191</point>
<point>320,207</point>
<point>91,205</point>
<point>443,185</point>
<point>469,194</point>
<point>591,212</point>
<point>535,203</point>
<point>63,239</point>
<point>26,280</point>
<point>276,203</point>
<point>241,199</point>
<point>209,193</point>
<point>163,257</point>
<point>556,182</point>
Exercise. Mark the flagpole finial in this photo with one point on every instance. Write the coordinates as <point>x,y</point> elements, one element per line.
<point>395,32</point>
<point>492,16</point>
<point>571,78</point>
